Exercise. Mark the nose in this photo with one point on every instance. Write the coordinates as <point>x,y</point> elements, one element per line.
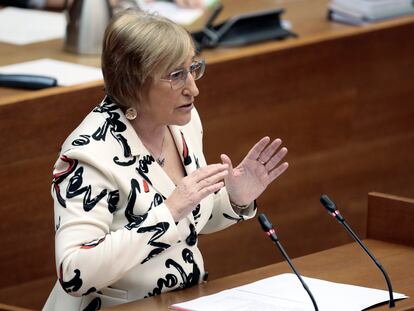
<point>190,87</point>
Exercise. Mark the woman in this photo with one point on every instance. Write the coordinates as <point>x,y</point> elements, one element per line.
<point>131,187</point>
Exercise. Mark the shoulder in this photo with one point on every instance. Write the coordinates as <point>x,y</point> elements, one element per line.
<point>99,134</point>
<point>103,121</point>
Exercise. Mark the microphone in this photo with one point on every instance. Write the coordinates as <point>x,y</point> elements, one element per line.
<point>331,208</point>
<point>268,228</point>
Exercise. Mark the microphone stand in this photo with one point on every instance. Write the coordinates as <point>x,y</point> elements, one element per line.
<point>332,209</point>
<point>268,228</point>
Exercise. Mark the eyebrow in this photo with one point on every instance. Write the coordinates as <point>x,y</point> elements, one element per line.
<point>181,67</point>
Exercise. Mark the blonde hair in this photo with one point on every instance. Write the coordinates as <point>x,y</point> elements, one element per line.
<point>137,47</point>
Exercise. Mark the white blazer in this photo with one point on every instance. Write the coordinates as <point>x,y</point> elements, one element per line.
<point>116,240</point>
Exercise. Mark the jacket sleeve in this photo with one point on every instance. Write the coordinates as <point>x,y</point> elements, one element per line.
<point>90,256</point>
<point>223,215</point>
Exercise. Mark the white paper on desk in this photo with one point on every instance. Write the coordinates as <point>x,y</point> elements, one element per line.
<point>174,12</point>
<point>25,26</point>
<point>285,292</point>
<point>66,73</point>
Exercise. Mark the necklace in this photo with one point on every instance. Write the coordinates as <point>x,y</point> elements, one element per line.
<point>160,159</point>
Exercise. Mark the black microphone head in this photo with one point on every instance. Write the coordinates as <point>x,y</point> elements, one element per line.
<point>265,223</point>
<point>328,203</point>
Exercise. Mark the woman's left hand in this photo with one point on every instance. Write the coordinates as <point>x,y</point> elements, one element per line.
<point>258,169</point>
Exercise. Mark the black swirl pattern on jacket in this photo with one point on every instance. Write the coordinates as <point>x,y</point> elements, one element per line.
<point>159,230</point>
<point>171,281</point>
<point>143,167</point>
<point>196,213</point>
<point>94,305</point>
<point>191,239</point>
<point>82,141</point>
<point>114,126</point>
<point>73,284</point>
<point>197,162</point>
<point>75,188</point>
<point>240,218</point>
<point>89,291</point>
<point>113,199</point>
<point>60,176</point>
<point>58,224</point>
<point>134,221</point>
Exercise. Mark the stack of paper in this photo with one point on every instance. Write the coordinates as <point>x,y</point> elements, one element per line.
<point>24,26</point>
<point>183,16</point>
<point>285,292</point>
<point>364,11</point>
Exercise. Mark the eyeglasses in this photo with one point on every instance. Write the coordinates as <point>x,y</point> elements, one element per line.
<point>178,78</point>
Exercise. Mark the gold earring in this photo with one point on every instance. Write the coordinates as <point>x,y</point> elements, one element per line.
<point>131,113</point>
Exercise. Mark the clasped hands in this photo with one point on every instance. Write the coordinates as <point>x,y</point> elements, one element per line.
<point>244,183</point>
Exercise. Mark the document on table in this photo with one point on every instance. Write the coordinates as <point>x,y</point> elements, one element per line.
<point>25,26</point>
<point>66,73</point>
<point>183,16</point>
<point>285,292</point>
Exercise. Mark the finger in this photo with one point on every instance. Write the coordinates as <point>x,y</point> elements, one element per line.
<point>209,190</point>
<point>193,4</point>
<point>278,171</point>
<point>270,150</point>
<point>180,2</point>
<point>270,165</point>
<point>226,160</point>
<point>211,180</point>
<point>188,3</point>
<point>257,149</point>
<point>207,171</point>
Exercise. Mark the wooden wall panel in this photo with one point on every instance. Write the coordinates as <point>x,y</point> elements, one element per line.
<point>32,132</point>
<point>344,109</point>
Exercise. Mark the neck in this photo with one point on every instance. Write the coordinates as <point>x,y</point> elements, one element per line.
<point>153,138</point>
<point>148,131</point>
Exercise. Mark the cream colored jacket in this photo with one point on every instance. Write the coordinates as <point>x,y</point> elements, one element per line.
<point>116,240</point>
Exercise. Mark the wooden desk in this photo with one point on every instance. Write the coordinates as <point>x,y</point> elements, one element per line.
<point>339,96</point>
<point>344,264</point>
<point>4,307</point>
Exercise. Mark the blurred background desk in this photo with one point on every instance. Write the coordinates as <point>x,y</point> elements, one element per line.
<point>340,97</point>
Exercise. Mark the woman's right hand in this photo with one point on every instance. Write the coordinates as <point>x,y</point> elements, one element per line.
<point>195,187</point>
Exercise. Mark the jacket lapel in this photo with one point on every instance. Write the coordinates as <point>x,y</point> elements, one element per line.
<point>185,149</point>
<point>146,165</point>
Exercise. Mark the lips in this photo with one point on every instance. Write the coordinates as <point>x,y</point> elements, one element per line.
<point>186,106</point>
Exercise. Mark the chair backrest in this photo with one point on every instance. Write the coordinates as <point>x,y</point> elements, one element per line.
<point>383,212</point>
